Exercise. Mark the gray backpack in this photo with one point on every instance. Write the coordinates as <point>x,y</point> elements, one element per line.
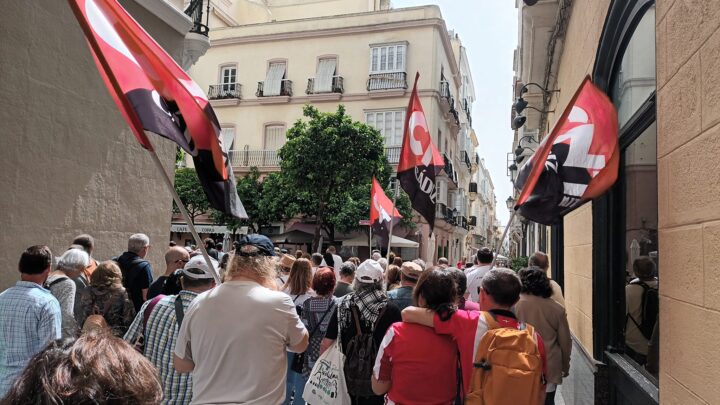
<point>360,357</point>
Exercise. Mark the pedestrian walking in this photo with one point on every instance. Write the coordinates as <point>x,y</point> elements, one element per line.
<point>137,274</point>
<point>461,284</point>
<point>63,287</point>
<point>402,296</point>
<point>87,243</point>
<point>483,264</point>
<point>537,308</point>
<point>405,369</point>
<point>175,259</point>
<point>541,260</point>
<point>30,316</point>
<point>347,275</point>
<point>234,337</point>
<point>362,318</point>
<point>392,277</point>
<point>107,298</point>
<point>158,329</point>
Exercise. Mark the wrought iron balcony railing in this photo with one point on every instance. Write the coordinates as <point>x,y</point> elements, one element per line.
<point>285,89</point>
<point>224,91</point>
<point>387,81</point>
<point>195,11</point>
<point>473,187</point>
<point>393,154</point>
<point>464,157</point>
<point>256,158</point>
<point>447,95</point>
<point>466,108</point>
<point>336,86</point>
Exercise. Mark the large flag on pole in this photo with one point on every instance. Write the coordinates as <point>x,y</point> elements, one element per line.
<point>154,94</point>
<point>381,208</point>
<point>420,161</point>
<point>576,162</point>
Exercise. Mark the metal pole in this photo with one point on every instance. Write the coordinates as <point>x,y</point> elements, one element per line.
<point>392,219</point>
<point>183,211</point>
<point>502,239</point>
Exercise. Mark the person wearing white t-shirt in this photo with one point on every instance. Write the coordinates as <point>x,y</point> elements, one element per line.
<point>239,323</point>
<point>336,260</point>
<point>483,263</point>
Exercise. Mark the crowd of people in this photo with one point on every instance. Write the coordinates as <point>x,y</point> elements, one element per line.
<point>76,330</point>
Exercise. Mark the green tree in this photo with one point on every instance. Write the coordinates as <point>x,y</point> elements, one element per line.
<point>327,165</point>
<point>191,193</point>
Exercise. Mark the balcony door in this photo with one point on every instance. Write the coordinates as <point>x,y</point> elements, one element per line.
<point>274,139</point>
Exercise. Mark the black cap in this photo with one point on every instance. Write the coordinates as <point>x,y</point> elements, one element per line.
<point>262,242</point>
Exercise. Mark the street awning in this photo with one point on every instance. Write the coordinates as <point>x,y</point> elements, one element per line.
<point>395,242</point>
<point>296,237</point>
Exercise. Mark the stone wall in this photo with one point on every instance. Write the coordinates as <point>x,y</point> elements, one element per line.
<point>688,70</point>
<point>70,164</point>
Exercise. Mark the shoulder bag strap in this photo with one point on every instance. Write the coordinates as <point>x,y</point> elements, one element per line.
<point>315,328</point>
<point>149,309</point>
<point>356,318</point>
<point>179,311</point>
<point>380,315</point>
<point>57,280</point>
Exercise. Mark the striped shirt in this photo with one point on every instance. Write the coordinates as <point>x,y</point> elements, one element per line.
<point>160,337</point>
<point>30,318</point>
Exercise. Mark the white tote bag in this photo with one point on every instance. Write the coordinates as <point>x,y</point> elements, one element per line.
<point>326,384</point>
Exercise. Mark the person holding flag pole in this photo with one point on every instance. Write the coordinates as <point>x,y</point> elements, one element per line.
<point>420,162</point>
<point>576,162</point>
<point>383,214</point>
<point>155,95</point>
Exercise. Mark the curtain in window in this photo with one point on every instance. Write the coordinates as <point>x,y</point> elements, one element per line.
<point>274,137</point>
<point>227,135</point>
<point>273,80</point>
<point>324,75</point>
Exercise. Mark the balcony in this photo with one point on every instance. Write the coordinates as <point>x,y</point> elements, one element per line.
<point>393,154</point>
<point>285,89</point>
<point>447,96</point>
<point>195,11</point>
<point>465,157</point>
<point>336,86</point>
<point>473,191</point>
<point>466,108</point>
<point>449,171</point>
<point>254,158</point>
<point>472,221</point>
<point>387,81</point>
<point>224,91</point>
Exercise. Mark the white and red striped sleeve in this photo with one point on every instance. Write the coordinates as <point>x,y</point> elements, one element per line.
<point>383,362</point>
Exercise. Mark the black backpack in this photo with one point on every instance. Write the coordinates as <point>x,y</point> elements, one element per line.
<point>360,357</point>
<point>649,306</point>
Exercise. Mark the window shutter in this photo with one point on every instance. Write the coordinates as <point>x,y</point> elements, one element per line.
<point>227,136</point>
<point>274,137</point>
<point>324,75</point>
<point>273,80</point>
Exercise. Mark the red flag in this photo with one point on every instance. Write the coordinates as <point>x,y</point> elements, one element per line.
<point>380,208</point>
<point>576,162</point>
<point>420,161</point>
<point>154,94</point>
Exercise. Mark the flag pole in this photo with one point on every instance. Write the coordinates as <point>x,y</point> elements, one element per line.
<point>392,218</point>
<point>502,239</point>
<point>183,211</point>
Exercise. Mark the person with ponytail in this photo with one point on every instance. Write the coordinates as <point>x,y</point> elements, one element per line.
<point>405,370</point>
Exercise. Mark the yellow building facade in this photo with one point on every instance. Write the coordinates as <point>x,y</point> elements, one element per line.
<point>268,59</point>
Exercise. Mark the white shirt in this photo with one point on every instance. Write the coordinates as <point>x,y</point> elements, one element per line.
<point>337,262</point>
<point>237,335</point>
<point>474,280</point>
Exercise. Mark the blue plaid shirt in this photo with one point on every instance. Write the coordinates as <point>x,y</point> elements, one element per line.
<point>160,337</point>
<point>29,319</point>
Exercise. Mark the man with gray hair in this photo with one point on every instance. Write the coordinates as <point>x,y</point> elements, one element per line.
<point>136,271</point>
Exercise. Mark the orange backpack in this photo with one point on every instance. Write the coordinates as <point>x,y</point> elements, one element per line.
<point>508,367</point>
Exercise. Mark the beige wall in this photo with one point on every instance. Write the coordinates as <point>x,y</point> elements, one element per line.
<point>576,62</point>
<point>688,62</point>
<point>70,164</point>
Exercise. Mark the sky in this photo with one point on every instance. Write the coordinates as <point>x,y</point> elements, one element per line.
<point>488,30</point>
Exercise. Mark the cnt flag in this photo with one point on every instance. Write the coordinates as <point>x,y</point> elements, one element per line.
<point>154,94</point>
<point>420,160</point>
<point>576,162</point>
<point>380,209</point>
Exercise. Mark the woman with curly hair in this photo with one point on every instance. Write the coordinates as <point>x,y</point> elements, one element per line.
<point>550,320</point>
<point>97,368</point>
<point>106,297</point>
<point>405,369</point>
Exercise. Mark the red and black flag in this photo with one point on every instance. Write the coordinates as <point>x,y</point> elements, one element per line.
<point>154,94</point>
<point>380,213</point>
<point>420,160</point>
<point>576,162</point>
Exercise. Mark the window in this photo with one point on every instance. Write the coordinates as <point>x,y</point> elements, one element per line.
<point>324,75</point>
<point>389,123</point>
<point>273,80</point>
<point>228,78</point>
<point>387,58</point>
<point>274,136</point>
<point>227,135</point>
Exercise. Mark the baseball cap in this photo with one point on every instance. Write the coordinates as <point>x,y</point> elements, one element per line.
<point>197,268</point>
<point>262,242</point>
<point>369,271</point>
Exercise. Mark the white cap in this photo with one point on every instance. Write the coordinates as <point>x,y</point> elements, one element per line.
<point>198,263</point>
<point>369,271</point>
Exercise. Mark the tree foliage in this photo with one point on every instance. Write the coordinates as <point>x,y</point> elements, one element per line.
<point>328,162</point>
<point>190,192</point>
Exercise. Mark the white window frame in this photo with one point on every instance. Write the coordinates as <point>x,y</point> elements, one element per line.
<point>388,53</point>
<point>266,130</point>
<point>395,137</point>
<point>231,85</point>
